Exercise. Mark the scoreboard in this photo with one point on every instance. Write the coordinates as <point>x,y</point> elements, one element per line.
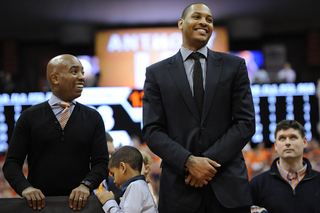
<point>121,109</point>
<point>273,103</point>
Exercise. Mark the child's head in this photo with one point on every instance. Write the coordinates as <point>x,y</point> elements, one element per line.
<point>146,167</point>
<point>124,164</point>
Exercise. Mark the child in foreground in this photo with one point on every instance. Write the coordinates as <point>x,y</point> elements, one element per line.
<point>125,165</point>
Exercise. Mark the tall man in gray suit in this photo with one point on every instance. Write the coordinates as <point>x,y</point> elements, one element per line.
<point>200,142</point>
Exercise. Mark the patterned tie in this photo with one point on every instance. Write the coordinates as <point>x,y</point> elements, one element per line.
<point>65,114</point>
<point>198,91</point>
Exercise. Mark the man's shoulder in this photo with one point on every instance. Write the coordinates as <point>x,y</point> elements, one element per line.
<point>37,110</point>
<point>166,61</point>
<point>223,55</point>
<point>315,173</point>
<point>261,176</point>
<point>88,112</point>
<point>86,108</point>
<point>37,107</point>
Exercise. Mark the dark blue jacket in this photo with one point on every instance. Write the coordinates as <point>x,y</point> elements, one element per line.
<point>271,191</point>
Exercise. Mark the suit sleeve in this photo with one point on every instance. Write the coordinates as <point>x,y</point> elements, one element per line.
<point>16,155</point>
<point>155,131</point>
<point>99,155</point>
<point>242,125</point>
<point>254,191</point>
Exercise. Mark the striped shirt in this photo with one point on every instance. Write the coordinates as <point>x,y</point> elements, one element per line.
<point>56,108</point>
<point>293,178</point>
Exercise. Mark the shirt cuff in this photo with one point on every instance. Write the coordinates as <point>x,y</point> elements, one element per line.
<point>110,204</point>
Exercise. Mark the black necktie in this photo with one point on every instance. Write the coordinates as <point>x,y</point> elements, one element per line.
<point>198,91</point>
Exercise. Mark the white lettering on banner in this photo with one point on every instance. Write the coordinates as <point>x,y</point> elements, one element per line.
<point>148,41</point>
<point>115,43</point>
<point>130,42</point>
<point>143,41</point>
<point>166,44</point>
<point>141,61</point>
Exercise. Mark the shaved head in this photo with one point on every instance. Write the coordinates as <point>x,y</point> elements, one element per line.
<point>66,76</point>
<point>55,62</point>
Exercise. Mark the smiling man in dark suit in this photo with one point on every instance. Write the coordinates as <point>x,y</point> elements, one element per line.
<point>199,139</point>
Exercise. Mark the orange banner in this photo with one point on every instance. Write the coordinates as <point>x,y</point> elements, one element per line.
<point>124,54</point>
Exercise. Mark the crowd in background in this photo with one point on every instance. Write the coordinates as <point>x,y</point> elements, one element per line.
<point>258,159</point>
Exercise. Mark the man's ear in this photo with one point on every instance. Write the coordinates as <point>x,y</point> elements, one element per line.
<point>54,78</point>
<point>180,22</point>
<point>305,142</point>
<point>275,145</point>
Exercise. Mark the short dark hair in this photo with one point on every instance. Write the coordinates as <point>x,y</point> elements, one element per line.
<point>129,155</point>
<point>108,137</point>
<point>186,10</point>
<point>286,124</point>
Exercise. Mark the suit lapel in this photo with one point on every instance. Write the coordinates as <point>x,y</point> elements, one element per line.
<point>179,76</point>
<point>214,67</point>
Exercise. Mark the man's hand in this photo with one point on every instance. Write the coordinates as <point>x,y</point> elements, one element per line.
<point>78,197</point>
<point>35,198</point>
<point>201,170</point>
<point>105,196</point>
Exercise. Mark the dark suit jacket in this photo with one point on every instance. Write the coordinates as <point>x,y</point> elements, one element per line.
<point>173,129</point>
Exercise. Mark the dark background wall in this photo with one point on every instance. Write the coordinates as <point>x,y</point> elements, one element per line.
<point>32,32</point>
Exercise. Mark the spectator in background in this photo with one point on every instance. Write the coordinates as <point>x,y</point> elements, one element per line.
<point>287,74</point>
<point>261,76</point>
<point>146,171</point>
<point>156,161</point>
<point>64,159</point>
<point>291,185</point>
<point>6,82</point>
<point>110,145</point>
<point>257,159</point>
<point>312,152</point>
<point>108,183</point>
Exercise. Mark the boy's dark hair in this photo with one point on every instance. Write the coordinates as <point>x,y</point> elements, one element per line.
<point>129,155</point>
<point>286,124</point>
<point>186,10</point>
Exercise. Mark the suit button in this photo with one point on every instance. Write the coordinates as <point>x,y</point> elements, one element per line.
<point>202,127</point>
